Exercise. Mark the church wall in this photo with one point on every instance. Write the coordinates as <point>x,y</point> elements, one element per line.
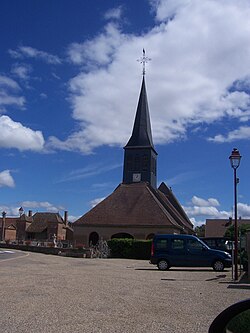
<point>82,233</point>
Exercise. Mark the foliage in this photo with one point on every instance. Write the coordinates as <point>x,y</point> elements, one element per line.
<point>200,230</point>
<point>243,228</point>
<point>130,248</point>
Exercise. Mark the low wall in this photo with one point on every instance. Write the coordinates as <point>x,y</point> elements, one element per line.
<point>84,253</point>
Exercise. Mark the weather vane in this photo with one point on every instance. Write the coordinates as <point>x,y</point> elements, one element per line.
<point>143,60</point>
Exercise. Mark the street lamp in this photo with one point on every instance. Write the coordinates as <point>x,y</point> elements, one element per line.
<point>235,158</point>
<point>3,225</point>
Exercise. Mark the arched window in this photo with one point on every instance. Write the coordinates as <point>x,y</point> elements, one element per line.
<point>122,235</point>
<point>150,236</point>
<point>93,238</point>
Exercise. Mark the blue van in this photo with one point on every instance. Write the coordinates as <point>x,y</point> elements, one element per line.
<point>186,251</point>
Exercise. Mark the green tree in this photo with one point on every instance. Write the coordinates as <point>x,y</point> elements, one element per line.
<point>243,228</point>
<point>200,230</point>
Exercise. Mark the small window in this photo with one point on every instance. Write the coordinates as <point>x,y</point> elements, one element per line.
<point>193,244</point>
<point>161,244</point>
<point>177,244</point>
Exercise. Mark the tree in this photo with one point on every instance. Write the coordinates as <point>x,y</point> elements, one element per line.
<point>200,230</point>
<point>243,228</point>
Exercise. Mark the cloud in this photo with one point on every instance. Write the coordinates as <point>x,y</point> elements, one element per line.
<point>99,51</point>
<point>22,71</point>
<point>89,171</point>
<point>30,52</point>
<point>6,82</point>
<point>113,13</point>
<point>6,180</point>
<point>96,201</point>
<point>10,93</point>
<point>200,54</point>
<point>206,203</point>
<point>242,133</point>
<point>41,204</point>
<point>243,210</point>
<point>15,135</point>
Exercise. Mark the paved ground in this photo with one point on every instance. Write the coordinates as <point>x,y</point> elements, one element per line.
<point>43,293</point>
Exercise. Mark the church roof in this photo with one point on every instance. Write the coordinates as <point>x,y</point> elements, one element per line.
<point>135,204</point>
<point>141,134</point>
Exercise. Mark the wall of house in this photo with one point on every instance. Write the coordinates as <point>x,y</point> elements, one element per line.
<point>61,232</point>
<point>82,233</point>
<point>10,234</point>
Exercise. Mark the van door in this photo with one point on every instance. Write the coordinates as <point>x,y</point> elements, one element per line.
<point>197,255</point>
<point>161,247</point>
<point>177,254</point>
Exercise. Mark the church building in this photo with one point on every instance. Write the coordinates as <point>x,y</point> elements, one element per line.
<point>137,208</point>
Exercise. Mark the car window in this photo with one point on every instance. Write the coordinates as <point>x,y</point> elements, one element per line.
<point>210,242</point>
<point>161,244</point>
<point>177,244</point>
<point>193,244</point>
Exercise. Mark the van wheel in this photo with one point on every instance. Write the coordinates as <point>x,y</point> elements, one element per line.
<point>218,266</point>
<point>163,265</point>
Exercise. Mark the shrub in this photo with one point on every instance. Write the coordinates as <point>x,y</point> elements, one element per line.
<point>130,248</point>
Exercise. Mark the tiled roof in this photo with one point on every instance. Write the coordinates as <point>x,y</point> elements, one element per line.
<point>41,220</point>
<point>134,205</point>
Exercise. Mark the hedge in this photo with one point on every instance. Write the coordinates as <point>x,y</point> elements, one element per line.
<point>130,248</point>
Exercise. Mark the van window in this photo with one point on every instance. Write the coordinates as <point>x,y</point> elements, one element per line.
<point>177,244</point>
<point>161,244</point>
<point>193,244</point>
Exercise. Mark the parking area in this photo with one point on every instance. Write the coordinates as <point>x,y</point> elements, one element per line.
<point>45,293</point>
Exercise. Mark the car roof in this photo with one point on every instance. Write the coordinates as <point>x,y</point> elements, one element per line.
<point>175,236</point>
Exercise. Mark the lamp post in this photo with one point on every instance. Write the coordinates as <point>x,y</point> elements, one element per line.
<point>235,158</point>
<point>3,225</point>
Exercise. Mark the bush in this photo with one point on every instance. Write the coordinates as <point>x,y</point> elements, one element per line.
<point>130,248</point>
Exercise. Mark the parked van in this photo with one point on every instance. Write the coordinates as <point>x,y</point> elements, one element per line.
<point>186,251</point>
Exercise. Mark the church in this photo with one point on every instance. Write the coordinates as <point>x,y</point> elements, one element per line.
<point>137,208</point>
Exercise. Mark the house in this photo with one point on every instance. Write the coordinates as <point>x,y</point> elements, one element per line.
<point>39,227</point>
<point>218,227</point>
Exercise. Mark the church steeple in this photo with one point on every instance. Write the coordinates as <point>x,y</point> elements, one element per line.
<point>140,155</point>
<point>141,135</point>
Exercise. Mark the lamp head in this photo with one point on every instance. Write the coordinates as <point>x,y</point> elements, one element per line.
<point>235,158</point>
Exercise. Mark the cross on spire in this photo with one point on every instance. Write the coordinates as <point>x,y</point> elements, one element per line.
<point>143,60</point>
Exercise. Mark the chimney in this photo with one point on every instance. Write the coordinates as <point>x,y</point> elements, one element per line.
<point>66,217</point>
<point>30,213</point>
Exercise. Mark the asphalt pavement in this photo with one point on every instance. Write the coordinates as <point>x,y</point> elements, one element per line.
<point>45,293</point>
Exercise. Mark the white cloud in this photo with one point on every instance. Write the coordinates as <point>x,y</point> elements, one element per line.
<point>15,135</point>
<point>22,71</point>
<point>9,94</point>
<point>49,207</point>
<point>241,133</point>
<point>6,82</point>
<point>114,13</point>
<point>197,55</point>
<point>206,203</point>
<point>89,171</point>
<point>100,50</point>
<point>6,179</point>
<point>30,52</point>
<point>96,201</point>
<point>243,210</point>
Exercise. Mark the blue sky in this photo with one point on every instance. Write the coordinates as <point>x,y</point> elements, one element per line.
<point>69,87</point>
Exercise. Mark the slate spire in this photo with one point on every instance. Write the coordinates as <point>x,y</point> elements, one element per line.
<point>140,155</point>
<point>141,134</point>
